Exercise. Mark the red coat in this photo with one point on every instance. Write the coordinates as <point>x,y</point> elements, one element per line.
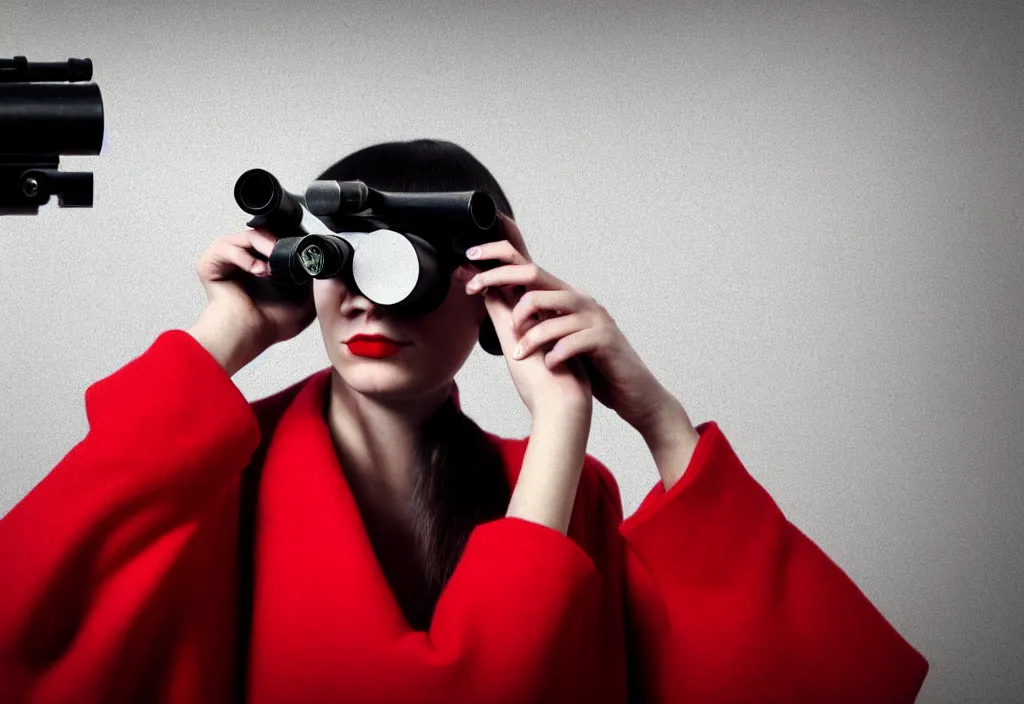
<point>120,575</point>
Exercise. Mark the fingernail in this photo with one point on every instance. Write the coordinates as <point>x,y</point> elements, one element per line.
<point>258,268</point>
<point>518,352</point>
<point>473,285</point>
<point>473,252</point>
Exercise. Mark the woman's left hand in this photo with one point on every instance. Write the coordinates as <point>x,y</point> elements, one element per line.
<point>552,315</point>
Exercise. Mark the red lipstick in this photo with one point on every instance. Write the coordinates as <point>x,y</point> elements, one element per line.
<point>375,346</point>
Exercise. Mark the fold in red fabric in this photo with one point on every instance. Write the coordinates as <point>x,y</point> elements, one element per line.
<point>136,571</point>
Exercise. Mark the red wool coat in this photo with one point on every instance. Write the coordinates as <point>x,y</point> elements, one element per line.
<point>123,578</point>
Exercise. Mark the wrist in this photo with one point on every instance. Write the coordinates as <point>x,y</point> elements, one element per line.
<point>561,413</point>
<point>672,440</point>
<point>225,339</point>
<point>668,427</point>
<point>545,491</point>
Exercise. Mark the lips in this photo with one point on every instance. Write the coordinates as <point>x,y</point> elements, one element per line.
<point>375,346</point>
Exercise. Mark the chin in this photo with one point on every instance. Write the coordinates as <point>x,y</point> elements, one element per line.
<point>383,383</point>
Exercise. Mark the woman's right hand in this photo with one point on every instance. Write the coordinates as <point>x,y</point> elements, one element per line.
<point>245,314</point>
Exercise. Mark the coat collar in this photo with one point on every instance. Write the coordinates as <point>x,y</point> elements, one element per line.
<point>315,570</point>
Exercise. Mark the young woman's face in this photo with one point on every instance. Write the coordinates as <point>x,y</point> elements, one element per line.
<point>434,348</point>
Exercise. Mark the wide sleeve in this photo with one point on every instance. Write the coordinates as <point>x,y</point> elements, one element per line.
<point>515,623</point>
<point>727,601</point>
<point>100,595</point>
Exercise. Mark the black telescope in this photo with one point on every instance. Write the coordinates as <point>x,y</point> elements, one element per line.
<point>46,110</point>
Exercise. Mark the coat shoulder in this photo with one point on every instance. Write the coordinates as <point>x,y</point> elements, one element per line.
<point>269,409</point>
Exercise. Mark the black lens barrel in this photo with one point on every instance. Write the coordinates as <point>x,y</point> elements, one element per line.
<point>259,193</point>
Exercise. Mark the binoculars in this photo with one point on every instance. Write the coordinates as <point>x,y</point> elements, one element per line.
<point>397,249</point>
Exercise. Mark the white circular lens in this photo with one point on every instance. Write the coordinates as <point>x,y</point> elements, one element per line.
<point>385,267</point>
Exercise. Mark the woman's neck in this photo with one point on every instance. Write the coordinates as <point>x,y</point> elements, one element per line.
<point>376,441</point>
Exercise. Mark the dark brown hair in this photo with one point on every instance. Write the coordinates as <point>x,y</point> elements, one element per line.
<point>461,481</point>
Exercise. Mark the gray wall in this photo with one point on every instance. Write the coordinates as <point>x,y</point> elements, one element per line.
<point>807,217</point>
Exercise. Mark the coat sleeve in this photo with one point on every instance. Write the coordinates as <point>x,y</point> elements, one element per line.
<point>98,594</point>
<point>727,601</point>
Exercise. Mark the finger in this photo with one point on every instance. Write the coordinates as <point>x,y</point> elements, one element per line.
<point>550,331</point>
<point>584,341</point>
<point>262,241</point>
<point>499,310</point>
<point>247,237</point>
<point>509,296</point>
<point>529,275</point>
<point>503,250</point>
<point>535,302</point>
<point>513,235</point>
<point>225,257</point>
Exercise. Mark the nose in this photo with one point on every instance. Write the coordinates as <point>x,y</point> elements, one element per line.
<point>354,304</point>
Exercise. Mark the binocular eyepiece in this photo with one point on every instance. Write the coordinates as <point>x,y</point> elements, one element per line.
<point>398,249</point>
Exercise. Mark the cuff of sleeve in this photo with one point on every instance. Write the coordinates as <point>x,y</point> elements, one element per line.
<point>163,429</point>
<point>711,447</point>
<point>516,580</point>
<point>176,401</point>
<point>180,377</point>
<point>524,546</point>
<point>710,512</point>
<point>510,561</point>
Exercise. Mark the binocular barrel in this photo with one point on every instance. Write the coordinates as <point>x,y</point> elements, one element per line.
<point>333,198</point>
<point>259,193</point>
<point>337,197</point>
<point>298,259</point>
<point>50,118</point>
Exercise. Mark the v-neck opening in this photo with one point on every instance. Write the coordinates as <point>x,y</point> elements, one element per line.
<point>303,430</point>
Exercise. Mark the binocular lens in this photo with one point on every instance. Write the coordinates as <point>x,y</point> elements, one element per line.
<point>482,210</point>
<point>312,260</point>
<point>256,191</point>
<point>323,256</point>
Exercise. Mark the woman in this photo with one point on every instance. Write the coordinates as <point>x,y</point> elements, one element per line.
<point>357,538</point>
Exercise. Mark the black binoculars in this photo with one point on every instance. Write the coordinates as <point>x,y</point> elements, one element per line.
<point>396,249</point>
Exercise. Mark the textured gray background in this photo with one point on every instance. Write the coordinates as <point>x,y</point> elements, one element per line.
<point>806,217</point>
